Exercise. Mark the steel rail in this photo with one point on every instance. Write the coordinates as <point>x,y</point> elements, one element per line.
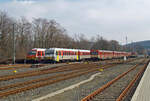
<point>40,84</point>
<point>50,77</point>
<point>45,71</point>
<point>92,95</point>
<point>18,66</point>
<point>41,79</point>
<point>41,72</point>
<point>17,90</point>
<point>27,72</point>
<point>124,93</point>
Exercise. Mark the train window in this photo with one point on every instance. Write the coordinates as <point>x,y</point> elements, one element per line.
<point>67,53</point>
<point>48,52</point>
<point>42,53</point>
<point>32,53</point>
<point>94,53</point>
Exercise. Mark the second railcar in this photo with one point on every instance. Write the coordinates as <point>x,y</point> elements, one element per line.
<point>84,54</point>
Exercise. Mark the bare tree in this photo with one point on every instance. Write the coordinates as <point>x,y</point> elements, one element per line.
<point>44,33</point>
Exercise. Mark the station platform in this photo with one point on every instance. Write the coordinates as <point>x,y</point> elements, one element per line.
<point>142,92</point>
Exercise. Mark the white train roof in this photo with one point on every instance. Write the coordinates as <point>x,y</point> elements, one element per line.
<point>84,50</point>
<point>105,50</point>
<point>39,49</point>
<point>65,49</point>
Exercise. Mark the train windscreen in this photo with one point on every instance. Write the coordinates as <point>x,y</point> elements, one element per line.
<point>32,53</point>
<point>94,53</point>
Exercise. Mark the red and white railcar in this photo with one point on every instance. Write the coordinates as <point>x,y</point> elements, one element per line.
<point>36,54</point>
<point>101,54</point>
<point>61,54</point>
<point>84,54</point>
<point>106,54</point>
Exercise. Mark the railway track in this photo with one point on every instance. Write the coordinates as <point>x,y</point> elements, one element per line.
<point>78,70</point>
<point>131,84</point>
<point>111,90</point>
<point>53,70</point>
<point>74,71</point>
<point>16,66</point>
<point>45,71</point>
<point>20,66</point>
<point>44,81</point>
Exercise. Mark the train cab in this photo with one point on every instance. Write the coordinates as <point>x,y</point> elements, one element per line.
<point>94,54</point>
<point>36,54</point>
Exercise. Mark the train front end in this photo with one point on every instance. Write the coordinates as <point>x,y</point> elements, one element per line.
<point>31,55</point>
<point>94,54</point>
<point>36,55</point>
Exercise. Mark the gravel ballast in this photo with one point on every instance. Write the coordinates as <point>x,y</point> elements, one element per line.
<point>83,90</point>
<point>71,95</point>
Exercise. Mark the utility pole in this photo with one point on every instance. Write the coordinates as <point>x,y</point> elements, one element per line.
<point>14,48</point>
<point>126,42</point>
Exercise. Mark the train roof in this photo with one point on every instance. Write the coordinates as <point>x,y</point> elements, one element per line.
<point>84,50</point>
<point>105,50</point>
<point>64,49</point>
<point>39,49</point>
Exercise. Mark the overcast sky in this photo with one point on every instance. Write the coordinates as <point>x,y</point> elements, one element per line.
<point>112,19</point>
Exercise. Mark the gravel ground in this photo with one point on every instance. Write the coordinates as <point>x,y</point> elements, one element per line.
<point>130,93</point>
<point>31,94</point>
<point>19,70</point>
<point>10,72</point>
<point>78,93</point>
<point>74,95</point>
<point>111,93</point>
<point>2,83</point>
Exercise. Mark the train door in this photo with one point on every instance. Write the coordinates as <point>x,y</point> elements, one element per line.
<point>57,55</point>
<point>79,55</point>
<point>62,55</point>
<point>100,53</point>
